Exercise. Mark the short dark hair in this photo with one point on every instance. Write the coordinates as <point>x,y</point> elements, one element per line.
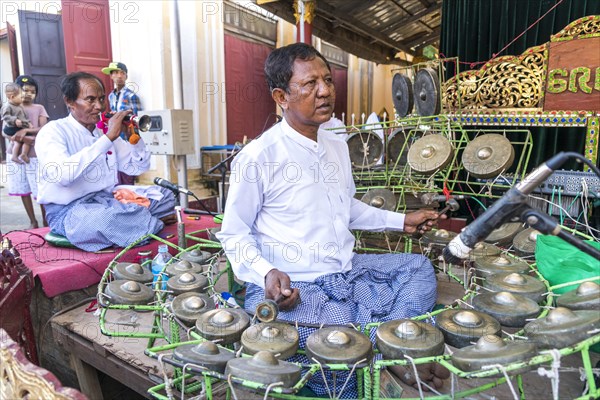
<point>279,65</point>
<point>69,84</point>
<point>23,80</point>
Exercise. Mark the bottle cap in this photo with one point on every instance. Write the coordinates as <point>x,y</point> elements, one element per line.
<point>144,253</point>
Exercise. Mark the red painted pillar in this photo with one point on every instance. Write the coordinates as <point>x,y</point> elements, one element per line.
<point>304,11</point>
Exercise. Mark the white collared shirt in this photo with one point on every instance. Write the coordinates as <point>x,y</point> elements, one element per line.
<point>291,206</point>
<point>74,162</point>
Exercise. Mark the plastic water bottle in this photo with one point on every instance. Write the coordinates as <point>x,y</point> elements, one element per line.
<point>158,263</point>
<point>229,299</point>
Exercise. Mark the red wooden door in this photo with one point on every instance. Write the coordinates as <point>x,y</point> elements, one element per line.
<point>44,58</point>
<point>12,47</point>
<point>340,79</point>
<point>250,108</point>
<point>87,37</point>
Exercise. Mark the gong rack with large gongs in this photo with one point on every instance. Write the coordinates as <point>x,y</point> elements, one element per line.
<point>365,148</point>
<point>398,144</point>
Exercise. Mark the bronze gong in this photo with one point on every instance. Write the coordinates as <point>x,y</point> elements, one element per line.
<point>504,234</point>
<point>265,369</point>
<point>430,153</point>
<point>223,324</point>
<point>489,265</point>
<point>205,354</point>
<point>402,94</point>
<point>380,198</point>
<point>416,339</point>
<point>187,282</point>
<point>462,327</point>
<point>189,306</point>
<point>427,92</point>
<point>509,309</point>
<point>278,338</point>
<point>585,297</point>
<point>439,237</point>
<point>562,327</point>
<point>516,283</point>
<point>196,256</point>
<point>338,345</point>
<point>132,272</point>
<point>128,292</point>
<point>490,350</point>
<point>183,266</point>
<point>525,241</point>
<point>488,155</point>
<point>365,147</point>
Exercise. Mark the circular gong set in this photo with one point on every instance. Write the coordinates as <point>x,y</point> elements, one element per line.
<point>365,148</point>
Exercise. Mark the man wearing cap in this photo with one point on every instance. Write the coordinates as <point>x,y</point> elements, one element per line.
<point>120,99</point>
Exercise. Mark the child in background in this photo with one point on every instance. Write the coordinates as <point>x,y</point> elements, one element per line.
<point>15,119</point>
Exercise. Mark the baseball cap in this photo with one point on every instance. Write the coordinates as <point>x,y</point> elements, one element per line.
<point>23,80</point>
<point>114,66</point>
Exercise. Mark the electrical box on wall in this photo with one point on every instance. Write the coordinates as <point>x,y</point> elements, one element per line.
<point>171,132</point>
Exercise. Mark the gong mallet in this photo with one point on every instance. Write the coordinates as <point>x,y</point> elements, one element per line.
<point>451,205</point>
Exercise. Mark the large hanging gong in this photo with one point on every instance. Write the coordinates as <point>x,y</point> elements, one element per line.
<point>416,339</point>
<point>488,155</point>
<point>398,144</point>
<point>562,327</point>
<point>504,235</point>
<point>183,266</point>
<point>338,345</point>
<point>187,282</point>
<point>189,306</point>
<point>264,368</point>
<point>525,241</point>
<point>366,148</point>
<point>224,324</point>
<point>196,256</point>
<point>132,272</point>
<point>430,154</point>
<point>461,327</point>
<point>384,199</point>
<point>489,265</point>
<point>585,297</point>
<point>509,309</point>
<point>427,92</point>
<point>490,350</point>
<point>205,354</point>
<point>278,338</point>
<point>128,292</point>
<point>402,94</point>
<point>516,283</point>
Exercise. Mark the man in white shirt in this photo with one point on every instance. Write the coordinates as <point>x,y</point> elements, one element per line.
<point>78,167</point>
<point>291,207</point>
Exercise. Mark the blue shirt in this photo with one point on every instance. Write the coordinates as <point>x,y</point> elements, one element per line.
<point>126,100</point>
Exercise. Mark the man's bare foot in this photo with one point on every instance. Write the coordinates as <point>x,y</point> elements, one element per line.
<point>24,158</point>
<point>432,374</point>
<point>169,219</point>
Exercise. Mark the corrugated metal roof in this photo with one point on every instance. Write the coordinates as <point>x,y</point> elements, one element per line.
<point>372,29</point>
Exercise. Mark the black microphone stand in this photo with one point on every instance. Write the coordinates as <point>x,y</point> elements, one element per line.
<point>549,226</point>
<point>223,167</point>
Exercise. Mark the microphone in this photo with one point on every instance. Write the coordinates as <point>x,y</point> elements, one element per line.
<point>514,201</point>
<point>171,186</point>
